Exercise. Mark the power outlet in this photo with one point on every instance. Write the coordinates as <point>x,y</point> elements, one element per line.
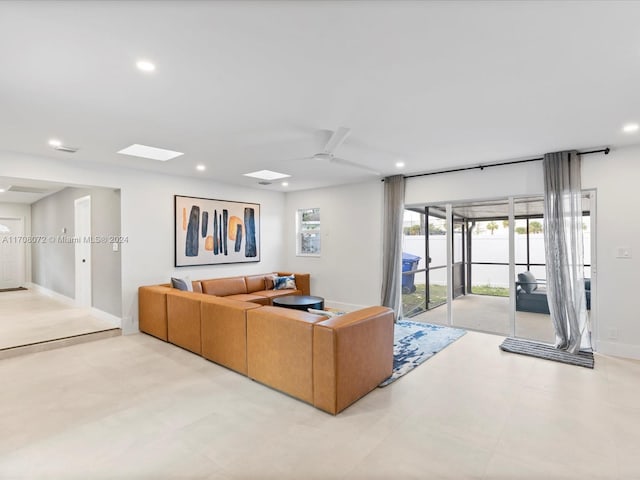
<point>623,252</point>
<point>613,334</point>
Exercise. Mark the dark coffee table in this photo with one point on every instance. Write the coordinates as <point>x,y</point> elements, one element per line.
<point>299,302</point>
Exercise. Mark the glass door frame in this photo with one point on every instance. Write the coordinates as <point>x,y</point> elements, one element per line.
<point>448,208</point>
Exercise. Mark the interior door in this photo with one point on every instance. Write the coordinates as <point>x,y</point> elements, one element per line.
<point>12,252</point>
<point>82,232</point>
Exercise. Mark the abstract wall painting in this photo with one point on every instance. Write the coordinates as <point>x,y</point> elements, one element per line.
<point>210,232</point>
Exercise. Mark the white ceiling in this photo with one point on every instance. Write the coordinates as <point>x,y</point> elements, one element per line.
<point>243,86</point>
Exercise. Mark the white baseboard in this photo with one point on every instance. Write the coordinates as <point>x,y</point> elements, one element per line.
<point>50,293</point>
<point>346,307</point>
<point>108,317</point>
<point>619,349</point>
<point>114,320</point>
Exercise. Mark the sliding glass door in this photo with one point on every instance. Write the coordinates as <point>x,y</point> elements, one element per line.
<point>424,260</point>
<point>489,258</point>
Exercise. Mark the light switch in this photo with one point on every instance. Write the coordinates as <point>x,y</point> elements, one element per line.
<point>623,252</point>
<point>116,247</point>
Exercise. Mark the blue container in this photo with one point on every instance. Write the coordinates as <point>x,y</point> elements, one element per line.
<point>409,263</point>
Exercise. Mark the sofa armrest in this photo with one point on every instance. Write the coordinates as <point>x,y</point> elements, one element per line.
<point>223,325</point>
<point>152,310</point>
<point>280,349</point>
<point>183,319</point>
<point>352,355</point>
<point>303,281</point>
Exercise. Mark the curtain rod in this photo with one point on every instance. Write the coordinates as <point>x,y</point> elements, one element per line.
<point>513,162</point>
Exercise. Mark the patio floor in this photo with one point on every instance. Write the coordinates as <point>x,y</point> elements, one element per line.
<point>490,314</point>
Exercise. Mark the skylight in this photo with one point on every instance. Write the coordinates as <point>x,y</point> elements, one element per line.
<point>266,175</point>
<point>153,153</point>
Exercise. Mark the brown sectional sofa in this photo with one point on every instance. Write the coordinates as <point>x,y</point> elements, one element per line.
<point>327,362</point>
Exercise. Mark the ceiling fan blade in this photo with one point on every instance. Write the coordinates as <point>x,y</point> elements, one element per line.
<point>349,163</point>
<point>337,138</point>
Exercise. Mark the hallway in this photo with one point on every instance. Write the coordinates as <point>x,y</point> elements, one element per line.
<point>31,321</point>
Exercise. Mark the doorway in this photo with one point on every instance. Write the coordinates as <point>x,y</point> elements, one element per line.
<point>12,252</point>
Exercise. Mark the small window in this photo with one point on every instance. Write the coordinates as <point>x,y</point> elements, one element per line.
<point>4,229</point>
<point>308,232</point>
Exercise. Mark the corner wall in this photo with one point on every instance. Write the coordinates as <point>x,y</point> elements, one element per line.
<point>348,272</point>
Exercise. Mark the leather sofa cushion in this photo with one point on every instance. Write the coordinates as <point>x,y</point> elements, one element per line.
<point>248,297</point>
<point>223,287</point>
<point>271,294</point>
<point>256,283</point>
<point>269,280</point>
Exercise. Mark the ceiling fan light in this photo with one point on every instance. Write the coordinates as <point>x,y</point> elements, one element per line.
<point>323,156</point>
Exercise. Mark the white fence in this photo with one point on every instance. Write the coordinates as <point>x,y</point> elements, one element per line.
<point>486,248</point>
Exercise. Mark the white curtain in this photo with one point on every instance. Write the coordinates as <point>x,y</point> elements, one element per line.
<point>392,243</point>
<point>564,250</point>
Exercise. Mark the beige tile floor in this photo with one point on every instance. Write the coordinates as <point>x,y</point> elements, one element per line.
<point>134,407</point>
<point>491,314</point>
<point>27,317</point>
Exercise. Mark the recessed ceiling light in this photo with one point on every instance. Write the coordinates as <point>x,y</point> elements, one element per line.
<point>153,153</point>
<point>266,175</point>
<point>630,128</point>
<point>145,66</point>
<point>54,142</point>
<point>201,168</point>
<point>2,190</point>
<point>285,184</point>
<point>399,164</point>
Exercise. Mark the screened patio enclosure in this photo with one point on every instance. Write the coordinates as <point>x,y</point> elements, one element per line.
<point>470,255</point>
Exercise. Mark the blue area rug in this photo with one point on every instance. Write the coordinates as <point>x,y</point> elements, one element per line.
<point>415,342</point>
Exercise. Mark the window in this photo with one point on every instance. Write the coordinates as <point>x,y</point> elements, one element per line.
<point>308,232</point>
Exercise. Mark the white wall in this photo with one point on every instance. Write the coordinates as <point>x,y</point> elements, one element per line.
<point>348,272</point>
<point>147,220</point>
<point>20,210</point>
<point>616,177</point>
<point>491,182</point>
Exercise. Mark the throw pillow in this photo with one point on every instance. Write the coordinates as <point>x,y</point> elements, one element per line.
<point>527,281</point>
<point>182,283</point>
<point>284,283</point>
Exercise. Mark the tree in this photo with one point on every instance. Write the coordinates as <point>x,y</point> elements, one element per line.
<point>521,230</point>
<point>492,226</point>
<point>412,230</point>
<point>535,227</point>
<point>435,230</point>
<point>505,223</point>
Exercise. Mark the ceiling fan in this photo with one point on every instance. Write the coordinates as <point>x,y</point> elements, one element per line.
<point>328,153</point>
